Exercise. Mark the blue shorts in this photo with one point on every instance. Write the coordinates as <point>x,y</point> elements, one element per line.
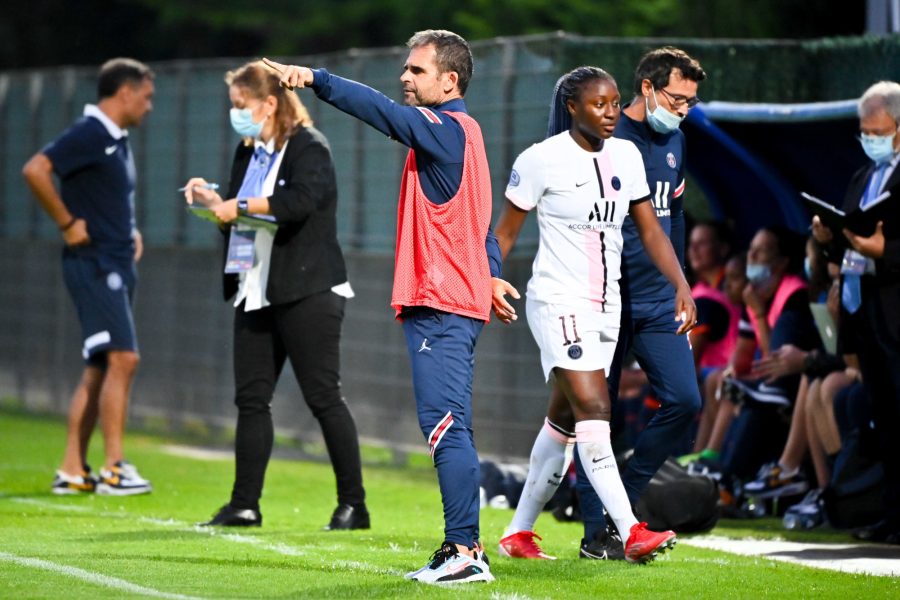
<point>103,292</point>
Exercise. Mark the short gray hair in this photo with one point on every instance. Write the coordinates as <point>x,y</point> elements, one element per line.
<point>452,53</point>
<point>882,95</point>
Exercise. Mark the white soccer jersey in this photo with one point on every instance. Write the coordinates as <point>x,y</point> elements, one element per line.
<point>581,198</point>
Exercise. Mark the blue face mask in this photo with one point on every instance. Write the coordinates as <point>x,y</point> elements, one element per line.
<point>243,124</point>
<point>758,273</point>
<point>880,148</point>
<point>661,120</point>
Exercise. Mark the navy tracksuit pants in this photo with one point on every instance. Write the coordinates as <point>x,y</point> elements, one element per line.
<point>441,349</point>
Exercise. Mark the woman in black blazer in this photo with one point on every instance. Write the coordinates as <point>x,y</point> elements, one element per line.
<point>289,287</point>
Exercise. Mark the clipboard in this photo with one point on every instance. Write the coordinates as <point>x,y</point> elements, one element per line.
<point>255,221</point>
<point>831,216</point>
<point>858,221</point>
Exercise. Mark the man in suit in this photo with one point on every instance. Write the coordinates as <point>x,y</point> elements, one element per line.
<point>870,259</point>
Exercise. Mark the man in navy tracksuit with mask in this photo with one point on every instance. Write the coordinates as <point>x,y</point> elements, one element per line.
<point>665,87</point>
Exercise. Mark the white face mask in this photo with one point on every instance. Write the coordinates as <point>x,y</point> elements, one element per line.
<point>661,120</point>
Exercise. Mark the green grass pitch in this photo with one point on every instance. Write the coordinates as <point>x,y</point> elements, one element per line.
<point>148,546</point>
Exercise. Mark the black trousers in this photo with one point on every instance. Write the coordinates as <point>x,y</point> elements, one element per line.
<point>308,333</point>
<point>879,361</point>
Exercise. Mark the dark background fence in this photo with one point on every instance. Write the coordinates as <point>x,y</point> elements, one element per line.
<point>185,376</point>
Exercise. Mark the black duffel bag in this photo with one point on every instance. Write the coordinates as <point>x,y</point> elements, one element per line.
<point>678,501</point>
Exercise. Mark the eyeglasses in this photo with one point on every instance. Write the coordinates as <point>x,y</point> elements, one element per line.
<point>679,101</point>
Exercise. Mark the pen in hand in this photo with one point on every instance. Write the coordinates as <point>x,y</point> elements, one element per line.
<point>205,186</point>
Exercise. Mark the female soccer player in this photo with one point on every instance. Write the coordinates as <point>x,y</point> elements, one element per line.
<point>583,182</point>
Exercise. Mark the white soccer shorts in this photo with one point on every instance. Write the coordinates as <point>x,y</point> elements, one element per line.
<point>578,339</point>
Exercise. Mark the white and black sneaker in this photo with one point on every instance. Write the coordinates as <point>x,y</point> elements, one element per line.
<point>65,484</point>
<point>808,513</point>
<point>774,481</point>
<point>122,480</point>
<point>447,565</point>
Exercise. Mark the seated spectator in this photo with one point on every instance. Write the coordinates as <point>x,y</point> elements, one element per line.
<point>715,334</point>
<point>776,314</point>
<point>785,476</point>
<point>815,428</point>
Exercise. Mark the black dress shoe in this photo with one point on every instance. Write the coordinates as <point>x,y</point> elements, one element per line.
<point>228,516</point>
<point>348,516</point>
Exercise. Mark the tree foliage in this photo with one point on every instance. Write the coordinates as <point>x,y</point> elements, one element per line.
<point>52,32</point>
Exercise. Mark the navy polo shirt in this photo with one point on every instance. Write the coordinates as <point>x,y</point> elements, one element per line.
<point>97,180</point>
<point>663,156</point>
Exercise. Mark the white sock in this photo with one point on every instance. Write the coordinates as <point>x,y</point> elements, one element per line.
<point>595,451</point>
<point>786,472</point>
<point>550,458</point>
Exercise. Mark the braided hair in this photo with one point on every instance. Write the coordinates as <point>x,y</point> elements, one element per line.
<point>567,87</point>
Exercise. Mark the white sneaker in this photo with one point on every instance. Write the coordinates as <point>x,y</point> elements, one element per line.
<point>122,480</point>
<point>130,471</point>
<point>447,565</point>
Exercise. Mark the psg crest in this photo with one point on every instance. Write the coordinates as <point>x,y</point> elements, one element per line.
<point>670,160</point>
<point>575,351</point>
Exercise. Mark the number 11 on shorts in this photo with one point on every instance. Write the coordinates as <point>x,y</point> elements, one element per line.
<point>562,320</point>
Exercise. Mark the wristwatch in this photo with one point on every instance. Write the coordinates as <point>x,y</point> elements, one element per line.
<point>242,206</point>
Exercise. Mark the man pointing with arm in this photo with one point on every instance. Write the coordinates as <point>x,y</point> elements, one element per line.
<point>445,258</point>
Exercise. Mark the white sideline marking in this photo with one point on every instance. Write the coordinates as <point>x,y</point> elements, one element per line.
<point>95,578</point>
<point>278,548</point>
<point>866,559</point>
<point>197,453</point>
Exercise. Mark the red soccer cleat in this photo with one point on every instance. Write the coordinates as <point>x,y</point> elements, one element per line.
<point>522,545</point>
<point>643,545</point>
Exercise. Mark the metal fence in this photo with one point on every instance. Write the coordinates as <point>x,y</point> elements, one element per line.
<point>184,328</point>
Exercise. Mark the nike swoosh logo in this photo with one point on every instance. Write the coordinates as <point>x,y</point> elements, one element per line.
<point>110,149</point>
<point>582,183</point>
<point>596,460</point>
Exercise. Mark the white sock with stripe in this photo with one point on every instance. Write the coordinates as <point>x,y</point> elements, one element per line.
<point>599,462</point>
<point>550,458</point>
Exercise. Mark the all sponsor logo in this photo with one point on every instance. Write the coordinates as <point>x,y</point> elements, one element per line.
<point>607,214</point>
